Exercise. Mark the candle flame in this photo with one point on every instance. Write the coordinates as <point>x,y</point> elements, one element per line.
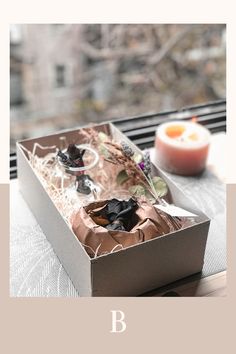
<point>194,119</point>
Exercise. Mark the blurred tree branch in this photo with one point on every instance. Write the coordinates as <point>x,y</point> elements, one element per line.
<point>107,53</point>
<point>126,51</point>
<point>170,44</point>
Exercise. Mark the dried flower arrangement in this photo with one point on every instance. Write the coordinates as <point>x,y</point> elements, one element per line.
<point>136,167</point>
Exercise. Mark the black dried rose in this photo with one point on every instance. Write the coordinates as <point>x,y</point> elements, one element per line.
<point>116,225</point>
<point>64,158</point>
<point>120,208</point>
<point>74,153</point>
<point>73,156</point>
<point>119,213</point>
<point>127,149</point>
<point>84,184</point>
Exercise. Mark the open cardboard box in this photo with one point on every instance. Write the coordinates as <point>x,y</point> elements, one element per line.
<point>127,272</point>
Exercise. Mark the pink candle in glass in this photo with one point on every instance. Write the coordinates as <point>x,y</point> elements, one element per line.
<point>182,147</point>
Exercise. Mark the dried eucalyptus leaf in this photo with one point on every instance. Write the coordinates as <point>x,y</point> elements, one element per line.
<point>150,197</point>
<point>160,186</point>
<point>102,137</point>
<point>137,190</point>
<point>122,177</point>
<point>103,150</point>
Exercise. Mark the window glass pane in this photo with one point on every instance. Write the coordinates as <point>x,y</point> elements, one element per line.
<point>63,75</point>
<point>16,94</point>
<point>60,76</point>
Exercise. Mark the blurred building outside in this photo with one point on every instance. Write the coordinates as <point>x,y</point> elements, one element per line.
<point>64,75</point>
